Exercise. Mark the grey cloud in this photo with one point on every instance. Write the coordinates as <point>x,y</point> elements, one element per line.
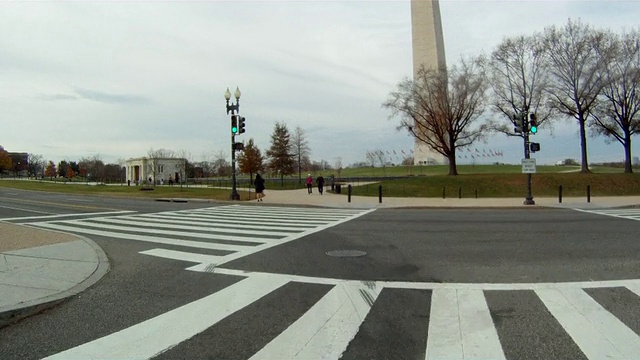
<point>57,97</point>
<point>111,98</point>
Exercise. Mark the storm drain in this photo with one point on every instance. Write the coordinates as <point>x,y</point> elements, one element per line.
<point>346,253</point>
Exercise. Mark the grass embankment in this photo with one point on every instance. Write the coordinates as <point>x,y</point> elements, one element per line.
<point>507,185</point>
<point>488,180</point>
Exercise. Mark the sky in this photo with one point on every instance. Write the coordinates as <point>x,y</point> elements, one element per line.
<point>116,79</point>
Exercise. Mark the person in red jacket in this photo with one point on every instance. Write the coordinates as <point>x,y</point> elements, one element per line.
<point>309,184</point>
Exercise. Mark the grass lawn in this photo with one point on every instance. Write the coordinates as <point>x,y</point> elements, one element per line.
<point>414,181</point>
<point>507,185</point>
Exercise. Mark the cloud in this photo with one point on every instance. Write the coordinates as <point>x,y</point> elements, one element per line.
<point>57,97</point>
<point>326,66</point>
<point>111,98</point>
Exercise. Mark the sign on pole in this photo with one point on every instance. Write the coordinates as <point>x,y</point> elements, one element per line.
<point>528,166</point>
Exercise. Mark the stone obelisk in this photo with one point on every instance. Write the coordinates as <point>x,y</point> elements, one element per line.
<point>428,50</point>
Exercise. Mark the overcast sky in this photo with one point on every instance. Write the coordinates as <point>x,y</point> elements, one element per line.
<point>115,79</point>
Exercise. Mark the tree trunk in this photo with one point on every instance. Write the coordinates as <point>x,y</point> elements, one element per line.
<point>583,145</point>
<point>627,153</point>
<point>453,169</point>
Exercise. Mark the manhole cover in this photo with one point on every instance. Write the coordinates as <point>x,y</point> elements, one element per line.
<point>346,253</point>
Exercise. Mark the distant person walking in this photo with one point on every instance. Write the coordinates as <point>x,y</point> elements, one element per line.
<point>259,182</point>
<point>309,184</point>
<point>320,181</point>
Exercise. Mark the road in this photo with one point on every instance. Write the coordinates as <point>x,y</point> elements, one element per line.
<point>434,283</point>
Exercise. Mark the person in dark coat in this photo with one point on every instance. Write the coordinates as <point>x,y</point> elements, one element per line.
<point>320,181</point>
<point>259,182</point>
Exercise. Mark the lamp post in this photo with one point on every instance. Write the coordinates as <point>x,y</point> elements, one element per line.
<point>233,108</point>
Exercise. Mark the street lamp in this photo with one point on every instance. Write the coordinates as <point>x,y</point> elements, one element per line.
<point>233,108</point>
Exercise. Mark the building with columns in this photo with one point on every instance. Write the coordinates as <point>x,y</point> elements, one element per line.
<point>428,50</point>
<point>159,170</point>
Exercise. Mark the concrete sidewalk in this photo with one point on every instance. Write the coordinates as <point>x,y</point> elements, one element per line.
<point>39,269</point>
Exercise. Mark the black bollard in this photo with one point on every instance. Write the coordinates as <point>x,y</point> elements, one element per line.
<point>560,194</point>
<point>460,192</point>
<point>349,193</point>
<point>476,193</point>
<point>588,193</point>
<point>443,192</point>
<point>380,194</point>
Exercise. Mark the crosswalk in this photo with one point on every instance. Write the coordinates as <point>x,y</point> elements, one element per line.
<point>214,235</point>
<point>349,319</point>
<point>386,320</point>
<point>631,213</point>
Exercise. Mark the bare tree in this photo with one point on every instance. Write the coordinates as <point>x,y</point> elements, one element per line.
<point>371,157</point>
<point>576,54</point>
<point>338,165</point>
<point>92,168</point>
<point>122,172</point>
<point>185,168</point>
<point>617,114</point>
<point>165,153</point>
<point>519,78</point>
<point>221,166</point>
<point>36,165</point>
<point>300,149</point>
<point>440,107</point>
<point>381,157</point>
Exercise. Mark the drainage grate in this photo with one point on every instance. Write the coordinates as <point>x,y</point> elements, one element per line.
<point>346,253</point>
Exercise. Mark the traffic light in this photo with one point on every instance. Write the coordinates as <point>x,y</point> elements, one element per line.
<point>534,147</point>
<point>518,122</point>
<point>533,123</point>
<point>238,146</point>
<point>241,125</point>
<point>234,124</point>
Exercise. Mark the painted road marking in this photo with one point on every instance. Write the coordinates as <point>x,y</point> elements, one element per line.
<point>152,337</point>
<point>460,324</point>
<point>633,214</point>
<point>324,332</point>
<point>598,333</point>
<point>241,229</point>
<point>59,216</point>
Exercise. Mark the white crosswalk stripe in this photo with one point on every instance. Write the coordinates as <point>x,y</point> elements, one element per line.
<point>460,324</point>
<point>238,230</point>
<point>633,214</point>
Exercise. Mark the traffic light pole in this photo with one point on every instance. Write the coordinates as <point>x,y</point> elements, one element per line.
<point>233,108</point>
<point>234,191</point>
<point>527,155</point>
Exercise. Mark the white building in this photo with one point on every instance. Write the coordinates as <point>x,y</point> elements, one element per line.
<point>155,170</point>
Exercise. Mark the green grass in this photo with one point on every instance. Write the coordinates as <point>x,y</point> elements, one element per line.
<point>425,181</point>
<point>506,185</point>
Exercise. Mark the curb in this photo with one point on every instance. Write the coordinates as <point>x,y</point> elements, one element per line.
<point>23,310</point>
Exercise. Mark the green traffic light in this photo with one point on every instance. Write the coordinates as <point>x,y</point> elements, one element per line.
<point>234,129</point>
<point>534,129</point>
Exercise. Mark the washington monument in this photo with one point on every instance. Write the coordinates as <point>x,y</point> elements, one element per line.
<point>428,50</point>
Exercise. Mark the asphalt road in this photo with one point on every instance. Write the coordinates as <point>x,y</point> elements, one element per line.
<point>465,246</point>
<point>150,306</point>
<point>23,205</point>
